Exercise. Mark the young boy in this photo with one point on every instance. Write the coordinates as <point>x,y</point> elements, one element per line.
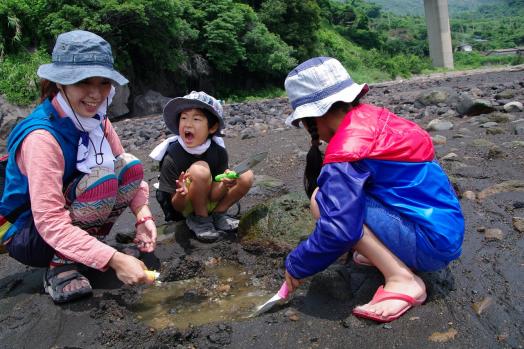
<point>189,162</point>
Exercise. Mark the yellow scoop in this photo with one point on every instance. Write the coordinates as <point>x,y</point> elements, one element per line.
<point>152,274</point>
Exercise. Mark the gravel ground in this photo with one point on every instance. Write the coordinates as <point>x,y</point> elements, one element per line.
<point>476,302</point>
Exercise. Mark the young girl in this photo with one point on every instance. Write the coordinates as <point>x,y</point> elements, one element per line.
<point>380,191</point>
<point>190,160</point>
<point>68,178</point>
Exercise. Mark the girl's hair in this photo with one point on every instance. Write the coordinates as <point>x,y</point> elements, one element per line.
<point>314,158</point>
<point>48,89</point>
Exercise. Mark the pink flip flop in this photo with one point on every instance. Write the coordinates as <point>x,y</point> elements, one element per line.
<point>382,295</point>
<point>357,262</point>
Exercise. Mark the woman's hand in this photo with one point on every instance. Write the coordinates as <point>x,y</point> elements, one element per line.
<point>128,269</point>
<point>292,283</point>
<point>145,238</point>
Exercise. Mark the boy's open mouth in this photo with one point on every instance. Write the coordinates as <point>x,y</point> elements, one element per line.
<point>188,136</point>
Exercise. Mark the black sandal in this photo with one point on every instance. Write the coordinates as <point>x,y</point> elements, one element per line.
<point>54,284</point>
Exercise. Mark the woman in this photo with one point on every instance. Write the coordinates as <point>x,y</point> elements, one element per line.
<point>68,177</point>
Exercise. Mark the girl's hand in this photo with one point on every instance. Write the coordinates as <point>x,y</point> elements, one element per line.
<point>181,184</point>
<point>129,270</point>
<point>145,238</point>
<point>292,283</point>
<point>229,182</point>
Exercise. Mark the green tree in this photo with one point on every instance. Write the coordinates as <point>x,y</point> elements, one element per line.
<point>295,21</point>
<point>267,53</point>
<point>223,39</point>
<point>11,19</point>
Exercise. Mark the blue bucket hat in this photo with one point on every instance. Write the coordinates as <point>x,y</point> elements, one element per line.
<point>80,55</point>
<point>315,85</point>
<point>200,100</point>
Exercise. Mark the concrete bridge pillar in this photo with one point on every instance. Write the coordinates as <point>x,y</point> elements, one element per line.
<point>439,33</point>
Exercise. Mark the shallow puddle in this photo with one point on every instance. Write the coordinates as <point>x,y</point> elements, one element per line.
<point>224,293</point>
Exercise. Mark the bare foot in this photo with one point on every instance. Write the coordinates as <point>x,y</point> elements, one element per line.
<point>410,286</point>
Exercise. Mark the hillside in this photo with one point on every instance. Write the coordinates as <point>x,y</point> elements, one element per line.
<point>416,7</point>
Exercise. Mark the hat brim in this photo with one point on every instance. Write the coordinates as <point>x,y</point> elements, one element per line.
<point>70,74</point>
<point>321,107</point>
<point>175,106</point>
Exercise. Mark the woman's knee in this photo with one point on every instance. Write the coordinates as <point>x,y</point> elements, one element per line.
<point>93,196</point>
<point>128,169</point>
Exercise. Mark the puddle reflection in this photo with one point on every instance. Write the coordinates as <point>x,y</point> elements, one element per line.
<point>226,292</point>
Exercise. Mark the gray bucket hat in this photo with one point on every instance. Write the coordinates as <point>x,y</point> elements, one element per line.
<point>315,85</point>
<point>195,99</point>
<point>79,55</point>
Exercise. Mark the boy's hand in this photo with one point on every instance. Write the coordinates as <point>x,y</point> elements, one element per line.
<point>228,174</point>
<point>228,182</point>
<point>181,184</point>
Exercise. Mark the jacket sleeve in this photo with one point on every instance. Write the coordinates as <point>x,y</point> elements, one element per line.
<point>340,199</point>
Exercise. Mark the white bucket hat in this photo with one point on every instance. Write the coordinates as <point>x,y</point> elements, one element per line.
<point>315,85</point>
<point>195,99</point>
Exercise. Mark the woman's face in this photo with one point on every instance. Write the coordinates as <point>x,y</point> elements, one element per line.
<point>86,96</point>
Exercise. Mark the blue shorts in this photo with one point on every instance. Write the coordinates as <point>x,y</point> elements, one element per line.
<point>28,247</point>
<point>400,236</point>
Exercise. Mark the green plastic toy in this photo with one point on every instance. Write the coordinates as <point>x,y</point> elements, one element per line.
<point>242,167</point>
<point>229,175</point>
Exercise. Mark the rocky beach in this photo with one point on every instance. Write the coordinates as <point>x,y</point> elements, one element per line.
<point>476,120</point>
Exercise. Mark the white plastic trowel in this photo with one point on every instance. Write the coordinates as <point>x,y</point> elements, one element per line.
<point>282,294</point>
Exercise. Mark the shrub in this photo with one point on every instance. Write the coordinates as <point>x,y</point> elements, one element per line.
<point>18,79</point>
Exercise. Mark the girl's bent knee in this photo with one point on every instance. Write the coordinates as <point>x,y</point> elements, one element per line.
<point>315,211</point>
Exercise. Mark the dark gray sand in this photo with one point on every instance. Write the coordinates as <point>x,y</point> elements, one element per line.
<point>476,302</point>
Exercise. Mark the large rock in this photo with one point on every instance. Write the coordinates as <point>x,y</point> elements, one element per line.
<point>506,186</point>
<point>282,222</point>
<point>439,125</point>
<point>267,186</point>
<point>469,106</point>
<point>518,127</point>
<point>513,107</point>
<point>119,105</point>
<point>435,97</point>
<point>151,102</point>
<point>10,115</point>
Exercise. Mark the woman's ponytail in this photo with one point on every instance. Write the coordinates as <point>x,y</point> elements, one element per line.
<point>48,90</point>
<point>313,159</point>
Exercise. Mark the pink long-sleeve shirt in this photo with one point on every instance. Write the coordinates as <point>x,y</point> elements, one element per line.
<point>41,160</point>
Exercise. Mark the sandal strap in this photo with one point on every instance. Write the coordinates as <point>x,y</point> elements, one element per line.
<point>52,272</point>
<point>383,295</point>
<point>59,282</point>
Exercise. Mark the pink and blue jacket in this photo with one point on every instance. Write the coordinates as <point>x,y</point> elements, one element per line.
<point>374,152</point>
